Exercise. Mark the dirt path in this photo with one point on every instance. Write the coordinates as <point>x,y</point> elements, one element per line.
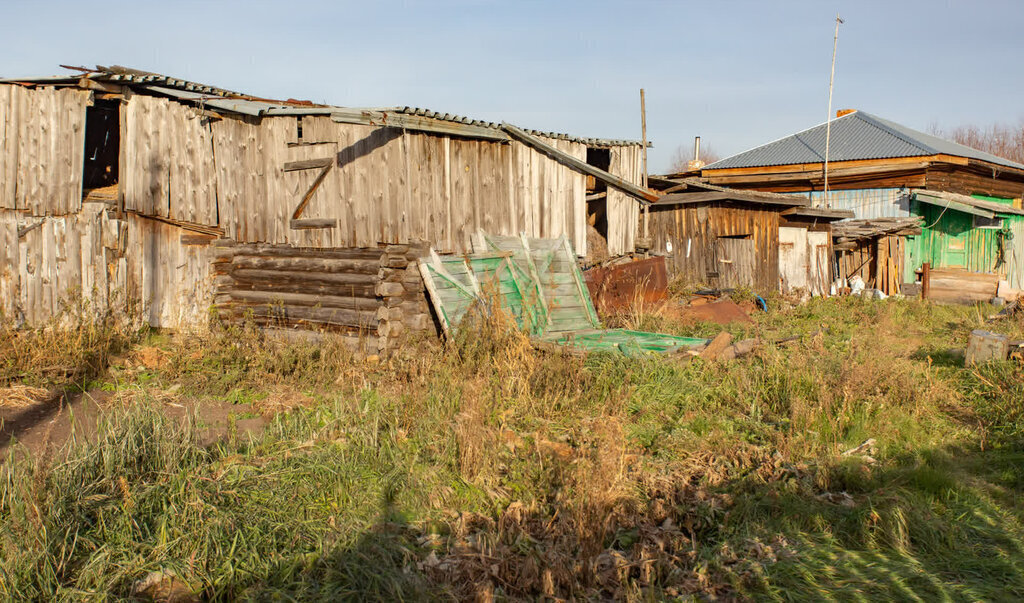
<point>50,422</point>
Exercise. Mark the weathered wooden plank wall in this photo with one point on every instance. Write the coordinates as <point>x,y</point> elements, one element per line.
<point>688,234</point>
<point>10,259</point>
<point>43,134</point>
<point>169,280</point>
<point>623,210</point>
<point>805,260</point>
<point>168,166</point>
<point>390,186</point>
<point>386,186</point>
<point>8,147</point>
<point>56,263</point>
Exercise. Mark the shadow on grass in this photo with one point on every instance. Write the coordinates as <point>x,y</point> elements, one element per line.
<point>381,565</point>
<point>946,357</point>
<point>945,525</point>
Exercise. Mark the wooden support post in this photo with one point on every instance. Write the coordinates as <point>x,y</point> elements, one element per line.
<point>926,277</point>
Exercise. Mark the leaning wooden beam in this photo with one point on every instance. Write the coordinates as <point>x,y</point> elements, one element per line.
<point>684,198</point>
<point>644,195</point>
<point>27,229</point>
<point>368,117</point>
<point>192,226</point>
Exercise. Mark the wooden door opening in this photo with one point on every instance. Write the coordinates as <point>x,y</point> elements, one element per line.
<point>102,144</point>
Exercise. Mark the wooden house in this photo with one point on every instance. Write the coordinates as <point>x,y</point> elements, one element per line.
<point>881,169</point>
<point>729,238</point>
<point>126,189</point>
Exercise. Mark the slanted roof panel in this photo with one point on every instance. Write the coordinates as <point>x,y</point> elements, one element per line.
<point>227,100</point>
<point>854,136</point>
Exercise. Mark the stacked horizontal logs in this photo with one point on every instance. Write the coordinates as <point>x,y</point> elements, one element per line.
<point>404,308</point>
<point>375,294</point>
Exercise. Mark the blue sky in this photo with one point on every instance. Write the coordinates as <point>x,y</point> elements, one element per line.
<point>737,73</point>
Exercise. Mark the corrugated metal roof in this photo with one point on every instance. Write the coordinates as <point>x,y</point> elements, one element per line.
<point>497,126</point>
<point>857,135</point>
<point>225,100</point>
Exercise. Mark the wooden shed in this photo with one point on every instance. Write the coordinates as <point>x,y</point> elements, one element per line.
<point>124,187</point>
<point>805,249</point>
<point>726,238</point>
<point>874,250</point>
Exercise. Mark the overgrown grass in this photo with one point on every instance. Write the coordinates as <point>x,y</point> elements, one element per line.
<point>486,469</point>
<point>67,351</point>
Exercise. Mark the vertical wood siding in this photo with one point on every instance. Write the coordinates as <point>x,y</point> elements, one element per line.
<point>623,210</point>
<point>10,259</point>
<point>43,134</point>
<point>689,235</point>
<point>168,165</point>
<point>392,186</point>
<point>57,262</point>
<point>170,282</point>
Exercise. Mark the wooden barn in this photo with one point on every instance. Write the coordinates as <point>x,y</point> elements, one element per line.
<point>127,189</point>
<point>730,238</point>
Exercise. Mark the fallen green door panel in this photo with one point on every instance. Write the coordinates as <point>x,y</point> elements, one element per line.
<point>540,285</point>
<point>625,341</point>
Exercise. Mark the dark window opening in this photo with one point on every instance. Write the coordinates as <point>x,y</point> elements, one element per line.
<point>597,192</point>
<point>102,144</point>
<point>298,128</point>
<point>735,236</point>
<point>983,222</point>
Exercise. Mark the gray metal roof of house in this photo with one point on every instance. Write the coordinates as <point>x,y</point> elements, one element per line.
<point>857,135</point>
<point>220,99</point>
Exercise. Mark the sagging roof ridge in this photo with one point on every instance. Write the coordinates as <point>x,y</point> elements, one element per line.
<point>246,104</point>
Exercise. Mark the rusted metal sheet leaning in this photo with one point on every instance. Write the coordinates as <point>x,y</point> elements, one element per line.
<point>622,286</point>
<point>538,283</point>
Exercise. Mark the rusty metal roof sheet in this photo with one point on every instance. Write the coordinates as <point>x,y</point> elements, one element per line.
<point>857,135</point>
<point>226,100</point>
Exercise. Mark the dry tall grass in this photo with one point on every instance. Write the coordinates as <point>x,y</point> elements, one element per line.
<point>486,469</point>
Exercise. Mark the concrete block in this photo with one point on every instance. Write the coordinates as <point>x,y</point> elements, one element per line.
<point>984,346</point>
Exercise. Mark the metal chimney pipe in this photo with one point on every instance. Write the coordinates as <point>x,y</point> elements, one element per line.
<point>696,149</point>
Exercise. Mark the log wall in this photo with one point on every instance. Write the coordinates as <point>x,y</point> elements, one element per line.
<point>973,181</point>
<point>375,295</point>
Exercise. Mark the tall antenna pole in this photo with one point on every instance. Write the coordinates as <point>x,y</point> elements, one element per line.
<point>643,133</point>
<point>828,121</point>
